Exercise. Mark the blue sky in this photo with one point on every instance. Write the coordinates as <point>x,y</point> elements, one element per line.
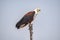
<point>46,25</point>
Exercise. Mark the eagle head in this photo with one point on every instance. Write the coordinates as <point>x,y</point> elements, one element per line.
<point>37,10</point>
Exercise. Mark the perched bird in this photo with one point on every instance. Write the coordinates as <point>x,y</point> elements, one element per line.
<point>27,18</point>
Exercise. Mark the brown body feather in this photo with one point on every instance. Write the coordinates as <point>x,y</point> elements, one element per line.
<point>27,18</point>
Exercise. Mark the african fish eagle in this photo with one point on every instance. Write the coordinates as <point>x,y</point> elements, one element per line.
<point>27,18</point>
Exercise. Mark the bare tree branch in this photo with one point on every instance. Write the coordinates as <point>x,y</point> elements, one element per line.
<point>30,30</point>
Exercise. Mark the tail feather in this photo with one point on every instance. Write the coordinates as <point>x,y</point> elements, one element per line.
<point>17,26</point>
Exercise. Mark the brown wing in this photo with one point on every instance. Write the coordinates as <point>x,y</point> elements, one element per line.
<point>28,18</point>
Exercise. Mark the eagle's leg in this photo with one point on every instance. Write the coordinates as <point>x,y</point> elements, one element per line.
<point>30,30</point>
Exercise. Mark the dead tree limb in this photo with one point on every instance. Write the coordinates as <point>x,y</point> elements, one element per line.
<point>30,30</point>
